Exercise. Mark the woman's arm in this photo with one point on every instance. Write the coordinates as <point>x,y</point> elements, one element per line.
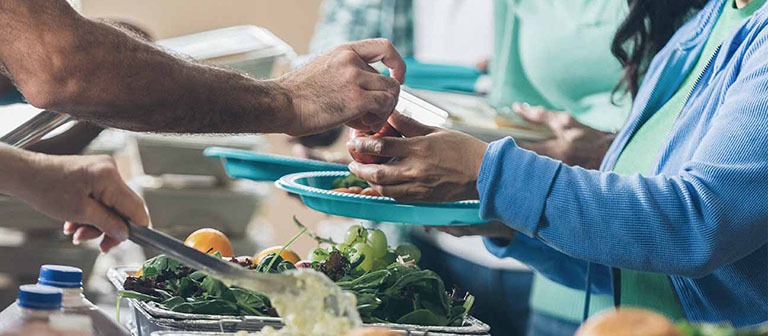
<point>554,265</point>
<point>712,212</point>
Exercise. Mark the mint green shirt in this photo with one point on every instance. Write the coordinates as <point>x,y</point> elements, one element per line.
<point>557,54</point>
<point>640,155</point>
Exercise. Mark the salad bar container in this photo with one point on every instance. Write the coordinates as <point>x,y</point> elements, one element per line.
<point>149,319</point>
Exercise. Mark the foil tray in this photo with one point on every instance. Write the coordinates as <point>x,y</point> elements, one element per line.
<point>151,319</point>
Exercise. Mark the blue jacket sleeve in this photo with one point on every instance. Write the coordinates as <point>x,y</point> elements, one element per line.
<point>686,223</point>
<point>550,263</point>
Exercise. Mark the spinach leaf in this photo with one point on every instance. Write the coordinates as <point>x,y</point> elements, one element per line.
<point>158,265</point>
<point>136,295</point>
<point>278,266</point>
<point>217,289</point>
<point>171,303</point>
<point>423,317</point>
<point>197,276</point>
<point>251,302</point>
<point>212,307</point>
<point>187,287</point>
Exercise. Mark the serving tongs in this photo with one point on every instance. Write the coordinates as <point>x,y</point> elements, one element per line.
<point>226,271</point>
<point>35,129</point>
<point>46,121</point>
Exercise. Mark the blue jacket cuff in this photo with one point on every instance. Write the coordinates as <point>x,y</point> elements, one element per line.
<point>513,185</point>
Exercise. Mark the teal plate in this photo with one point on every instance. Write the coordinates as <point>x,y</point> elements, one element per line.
<point>265,167</point>
<point>314,189</point>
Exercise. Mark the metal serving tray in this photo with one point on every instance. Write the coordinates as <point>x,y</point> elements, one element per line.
<point>150,319</point>
<point>181,333</point>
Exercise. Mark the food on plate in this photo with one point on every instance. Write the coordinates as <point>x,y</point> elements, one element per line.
<point>384,286</point>
<point>210,241</point>
<point>386,131</point>
<point>351,184</point>
<point>286,254</point>
<point>349,181</point>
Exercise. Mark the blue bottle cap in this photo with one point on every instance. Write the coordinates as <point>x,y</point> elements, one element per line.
<point>60,276</point>
<point>39,297</point>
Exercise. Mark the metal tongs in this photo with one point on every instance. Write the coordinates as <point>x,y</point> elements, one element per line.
<point>46,121</point>
<point>221,269</point>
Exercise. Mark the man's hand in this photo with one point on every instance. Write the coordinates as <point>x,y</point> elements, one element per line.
<point>491,230</point>
<point>434,165</point>
<point>85,191</point>
<point>340,87</point>
<point>575,144</point>
<point>57,57</point>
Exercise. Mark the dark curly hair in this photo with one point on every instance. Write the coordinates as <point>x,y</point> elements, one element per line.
<point>647,28</point>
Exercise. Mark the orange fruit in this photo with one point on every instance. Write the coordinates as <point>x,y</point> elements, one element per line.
<point>210,241</point>
<point>287,255</point>
<point>628,321</point>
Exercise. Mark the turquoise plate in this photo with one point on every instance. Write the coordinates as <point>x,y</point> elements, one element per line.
<point>265,167</point>
<point>314,189</point>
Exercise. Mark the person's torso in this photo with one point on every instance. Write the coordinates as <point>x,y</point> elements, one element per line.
<point>563,51</point>
<point>720,295</point>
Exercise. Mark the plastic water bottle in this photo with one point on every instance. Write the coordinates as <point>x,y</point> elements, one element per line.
<point>70,281</point>
<point>31,312</point>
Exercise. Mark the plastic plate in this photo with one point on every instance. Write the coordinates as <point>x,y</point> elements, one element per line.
<point>314,189</point>
<point>265,167</point>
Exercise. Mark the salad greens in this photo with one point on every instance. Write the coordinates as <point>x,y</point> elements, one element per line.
<point>688,329</point>
<point>389,286</point>
<point>178,288</point>
<point>350,180</point>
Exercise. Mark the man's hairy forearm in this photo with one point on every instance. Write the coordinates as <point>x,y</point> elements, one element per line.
<point>97,72</point>
<point>16,162</point>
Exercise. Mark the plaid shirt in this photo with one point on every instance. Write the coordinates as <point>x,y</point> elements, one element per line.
<point>351,20</point>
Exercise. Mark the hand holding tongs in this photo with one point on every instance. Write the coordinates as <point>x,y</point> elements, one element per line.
<point>45,122</point>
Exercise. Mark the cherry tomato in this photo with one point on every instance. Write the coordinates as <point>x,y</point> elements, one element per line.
<point>304,264</point>
<point>386,131</point>
<point>370,192</point>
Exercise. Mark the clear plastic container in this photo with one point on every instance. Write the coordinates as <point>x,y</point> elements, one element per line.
<point>70,281</point>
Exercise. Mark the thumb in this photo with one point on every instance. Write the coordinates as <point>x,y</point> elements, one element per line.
<point>105,219</point>
<point>408,126</point>
<point>532,114</point>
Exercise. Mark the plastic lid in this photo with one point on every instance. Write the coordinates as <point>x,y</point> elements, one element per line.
<point>60,276</point>
<point>39,297</point>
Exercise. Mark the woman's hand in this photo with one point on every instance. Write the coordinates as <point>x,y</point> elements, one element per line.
<point>85,191</point>
<point>575,144</point>
<point>490,230</point>
<point>434,165</point>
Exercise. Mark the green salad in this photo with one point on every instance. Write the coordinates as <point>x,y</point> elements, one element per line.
<point>389,285</point>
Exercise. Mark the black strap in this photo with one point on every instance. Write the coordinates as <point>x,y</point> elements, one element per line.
<point>588,292</point>
<point>616,282</point>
